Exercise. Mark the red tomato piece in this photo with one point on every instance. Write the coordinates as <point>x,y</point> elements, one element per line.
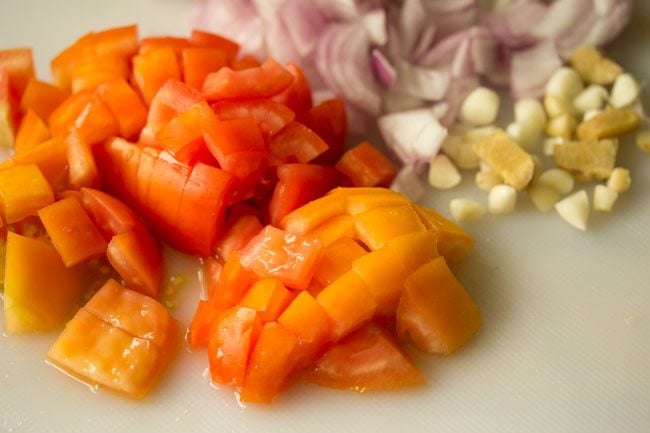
<point>232,339</point>
<point>299,184</point>
<point>260,82</point>
<point>148,159</point>
<point>110,215</point>
<point>152,68</point>
<point>366,166</point>
<point>237,232</point>
<point>135,255</point>
<point>173,97</point>
<point>290,258</point>
<point>199,62</point>
<point>201,209</point>
<point>86,113</point>
<point>270,116</point>
<point>298,95</point>
<point>183,135</point>
<point>296,143</point>
<point>247,61</point>
<point>82,170</point>
<point>9,112</point>
<point>203,39</point>
<point>365,360</point>
<point>72,232</point>
<point>329,121</point>
<point>271,363</point>
<point>237,145</point>
<point>19,64</point>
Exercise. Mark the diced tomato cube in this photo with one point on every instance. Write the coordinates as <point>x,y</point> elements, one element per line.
<point>110,215</point>
<point>82,170</point>
<point>296,143</point>
<point>269,297</point>
<point>329,121</point>
<point>337,260</point>
<point>125,104</point>
<point>290,258</point>
<point>42,97</point>
<point>183,135</point>
<point>200,327</point>
<point>366,166</point>
<point>298,95</point>
<point>175,43</point>
<point>23,191</point>
<point>238,232</point>
<point>203,39</point>
<point>234,280</point>
<point>152,68</point>
<point>198,63</point>
<point>31,132</point>
<point>50,157</point>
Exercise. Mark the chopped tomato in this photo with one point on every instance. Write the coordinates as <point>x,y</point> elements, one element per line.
<point>298,95</point>
<point>135,255</point>
<point>269,297</point>
<point>234,280</point>
<point>72,232</point>
<point>175,43</point>
<point>86,113</point>
<point>198,63</point>
<point>366,166</point>
<point>200,38</point>
<point>435,311</point>
<point>9,113</point>
<point>31,132</point>
<point>328,120</point>
<point>152,68</point>
<point>296,143</point>
<point>121,339</point>
<point>29,303</point>
<point>247,61</point>
<point>183,135</point>
<point>42,97</point>
<point>232,339</point>
<point>23,191</point>
<point>98,70</point>
<point>238,232</point>
<point>19,64</point>
<point>377,226</point>
<point>270,116</point>
<point>211,272</point>
<point>110,215</point>
<point>454,243</point>
<point>199,331</point>
<point>338,258</point>
<point>270,364</point>
<point>297,185</point>
<point>82,170</point>
<point>290,258</point>
<point>260,82</point>
<point>365,360</point>
<point>125,104</point>
<point>50,157</point>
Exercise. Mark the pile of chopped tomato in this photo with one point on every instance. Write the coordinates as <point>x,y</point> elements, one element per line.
<point>311,265</point>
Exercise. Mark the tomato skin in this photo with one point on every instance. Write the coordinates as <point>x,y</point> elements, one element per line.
<point>260,82</point>
<point>299,184</point>
<point>203,39</point>
<point>110,215</point>
<point>366,360</point>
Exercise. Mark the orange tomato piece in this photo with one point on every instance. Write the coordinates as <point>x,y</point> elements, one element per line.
<point>348,302</point>
<point>360,201</point>
<point>198,63</point>
<point>211,272</point>
<point>366,166</point>
<point>365,360</point>
<point>435,311</point>
<point>383,273</point>
<point>152,68</point>
<point>237,234</point>
<point>296,143</point>
<point>234,280</point>
<point>98,70</point>
<point>23,191</point>
<point>175,43</point>
<point>201,38</point>
<point>414,249</point>
<point>268,296</point>
<point>73,234</point>
<point>39,291</point>
<point>9,112</point>
<point>247,61</point>
<point>82,170</point>
<point>340,226</point>
<point>288,257</point>
<point>454,243</point>
<point>337,260</point>
<point>270,364</point>
<point>19,64</point>
<point>313,214</point>
<point>86,113</point>
<point>136,257</point>
<point>31,132</point>
<point>377,226</point>
<point>199,331</point>
<point>121,339</point>
<point>50,157</point>
<point>42,98</point>
<point>183,135</point>
<point>125,104</point>
<point>258,82</point>
<point>233,337</point>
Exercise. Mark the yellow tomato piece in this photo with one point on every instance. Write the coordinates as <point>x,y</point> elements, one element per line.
<point>23,191</point>
<point>337,260</point>
<point>40,292</point>
<point>377,226</point>
<point>454,243</point>
<point>334,229</point>
<point>268,297</point>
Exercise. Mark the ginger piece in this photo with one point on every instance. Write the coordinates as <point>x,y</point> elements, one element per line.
<point>587,159</point>
<point>609,124</point>
<point>515,166</point>
<point>593,67</point>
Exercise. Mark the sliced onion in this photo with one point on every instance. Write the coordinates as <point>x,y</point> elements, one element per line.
<point>304,24</point>
<point>408,182</point>
<point>531,68</point>
<point>429,84</point>
<point>384,71</point>
<point>414,136</point>
<point>375,25</point>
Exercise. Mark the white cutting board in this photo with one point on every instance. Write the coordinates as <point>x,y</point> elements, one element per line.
<point>566,341</point>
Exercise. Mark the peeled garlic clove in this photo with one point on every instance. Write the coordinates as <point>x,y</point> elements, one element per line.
<point>574,209</point>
